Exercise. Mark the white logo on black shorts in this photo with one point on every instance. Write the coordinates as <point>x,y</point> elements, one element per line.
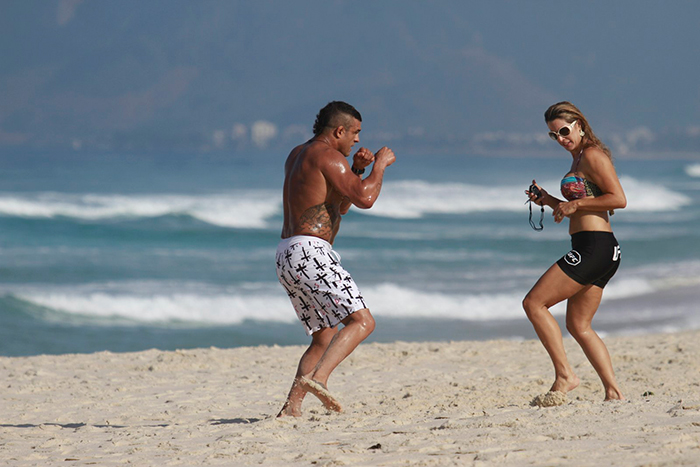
<point>617,253</point>
<point>573,258</point>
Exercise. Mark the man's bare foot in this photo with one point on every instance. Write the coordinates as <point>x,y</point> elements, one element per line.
<point>564,385</point>
<point>288,410</point>
<point>320,391</point>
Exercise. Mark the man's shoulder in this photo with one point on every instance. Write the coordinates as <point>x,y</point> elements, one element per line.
<point>319,153</point>
<point>312,156</point>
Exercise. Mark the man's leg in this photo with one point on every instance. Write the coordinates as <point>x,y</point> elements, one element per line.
<point>358,326</point>
<point>320,340</point>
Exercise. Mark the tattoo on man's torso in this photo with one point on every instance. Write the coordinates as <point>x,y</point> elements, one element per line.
<point>320,220</point>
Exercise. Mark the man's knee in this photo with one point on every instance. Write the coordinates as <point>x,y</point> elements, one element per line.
<point>363,319</point>
<point>369,323</point>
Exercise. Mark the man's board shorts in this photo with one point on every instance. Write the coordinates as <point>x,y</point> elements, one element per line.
<point>322,292</point>
<point>593,259</point>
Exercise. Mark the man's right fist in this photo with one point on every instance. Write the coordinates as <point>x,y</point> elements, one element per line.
<point>386,156</point>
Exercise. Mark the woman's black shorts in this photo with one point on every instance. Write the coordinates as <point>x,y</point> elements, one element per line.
<point>593,259</point>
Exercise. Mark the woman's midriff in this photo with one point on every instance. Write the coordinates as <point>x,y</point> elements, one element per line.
<point>589,221</point>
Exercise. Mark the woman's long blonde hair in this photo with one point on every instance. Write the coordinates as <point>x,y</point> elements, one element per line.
<point>569,112</point>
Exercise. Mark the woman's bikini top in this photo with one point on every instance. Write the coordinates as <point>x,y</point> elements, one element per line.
<point>575,187</point>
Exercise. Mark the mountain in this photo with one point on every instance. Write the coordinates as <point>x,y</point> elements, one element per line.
<point>247,76</point>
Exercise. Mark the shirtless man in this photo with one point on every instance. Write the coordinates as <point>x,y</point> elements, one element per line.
<point>319,187</point>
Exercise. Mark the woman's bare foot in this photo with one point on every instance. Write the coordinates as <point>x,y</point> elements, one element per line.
<point>613,394</point>
<point>565,384</point>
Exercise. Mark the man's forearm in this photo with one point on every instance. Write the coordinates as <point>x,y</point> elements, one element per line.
<point>372,185</point>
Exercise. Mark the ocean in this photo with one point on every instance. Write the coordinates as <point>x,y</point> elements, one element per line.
<point>125,252</point>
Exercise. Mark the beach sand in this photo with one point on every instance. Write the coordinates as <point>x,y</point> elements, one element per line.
<point>435,403</point>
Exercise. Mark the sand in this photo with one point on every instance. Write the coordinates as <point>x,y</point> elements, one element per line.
<point>451,403</point>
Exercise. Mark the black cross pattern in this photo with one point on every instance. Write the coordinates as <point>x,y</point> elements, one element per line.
<point>338,315</point>
<point>362,300</point>
<point>302,269</point>
<point>305,256</point>
<point>347,288</point>
<point>319,266</point>
<point>295,281</point>
<point>333,261</point>
<point>322,278</point>
<point>328,273</point>
<point>318,315</point>
<point>336,273</point>
<point>283,278</point>
<point>291,293</point>
<point>328,295</point>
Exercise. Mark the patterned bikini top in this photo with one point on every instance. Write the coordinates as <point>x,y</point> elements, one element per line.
<point>575,187</point>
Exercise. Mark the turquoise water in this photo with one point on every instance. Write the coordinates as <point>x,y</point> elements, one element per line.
<point>126,253</point>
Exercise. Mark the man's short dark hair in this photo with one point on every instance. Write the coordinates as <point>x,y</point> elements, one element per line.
<point>333,115</point>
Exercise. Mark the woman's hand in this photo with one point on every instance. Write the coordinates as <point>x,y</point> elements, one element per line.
<point>537,198</point>
<point>564,210</point>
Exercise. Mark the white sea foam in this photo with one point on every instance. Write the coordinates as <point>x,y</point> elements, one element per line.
<point>155,301</point>
<point>412,199</point>
<point>219,309</point>
<point>269,304</point>
<point>693,170</point>
<point>644,196</point>
<point>628,287</point>
<point>396,301</point>
<point>408,199</point>
<point>242,209</point>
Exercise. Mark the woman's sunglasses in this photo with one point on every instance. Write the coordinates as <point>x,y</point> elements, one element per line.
<point>563,131</point>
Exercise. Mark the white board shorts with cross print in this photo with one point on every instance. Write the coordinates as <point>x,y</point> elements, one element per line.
<point>322,292</point>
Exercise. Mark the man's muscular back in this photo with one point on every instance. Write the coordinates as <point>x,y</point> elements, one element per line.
<point>311,205</point>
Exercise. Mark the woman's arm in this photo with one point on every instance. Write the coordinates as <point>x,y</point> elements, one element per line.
<point>545,199</point>
<point>598,168</point>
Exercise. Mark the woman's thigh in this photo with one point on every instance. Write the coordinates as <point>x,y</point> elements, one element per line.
<point>553,287</point>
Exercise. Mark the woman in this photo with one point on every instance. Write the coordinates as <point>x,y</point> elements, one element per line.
<point>591,189</point>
